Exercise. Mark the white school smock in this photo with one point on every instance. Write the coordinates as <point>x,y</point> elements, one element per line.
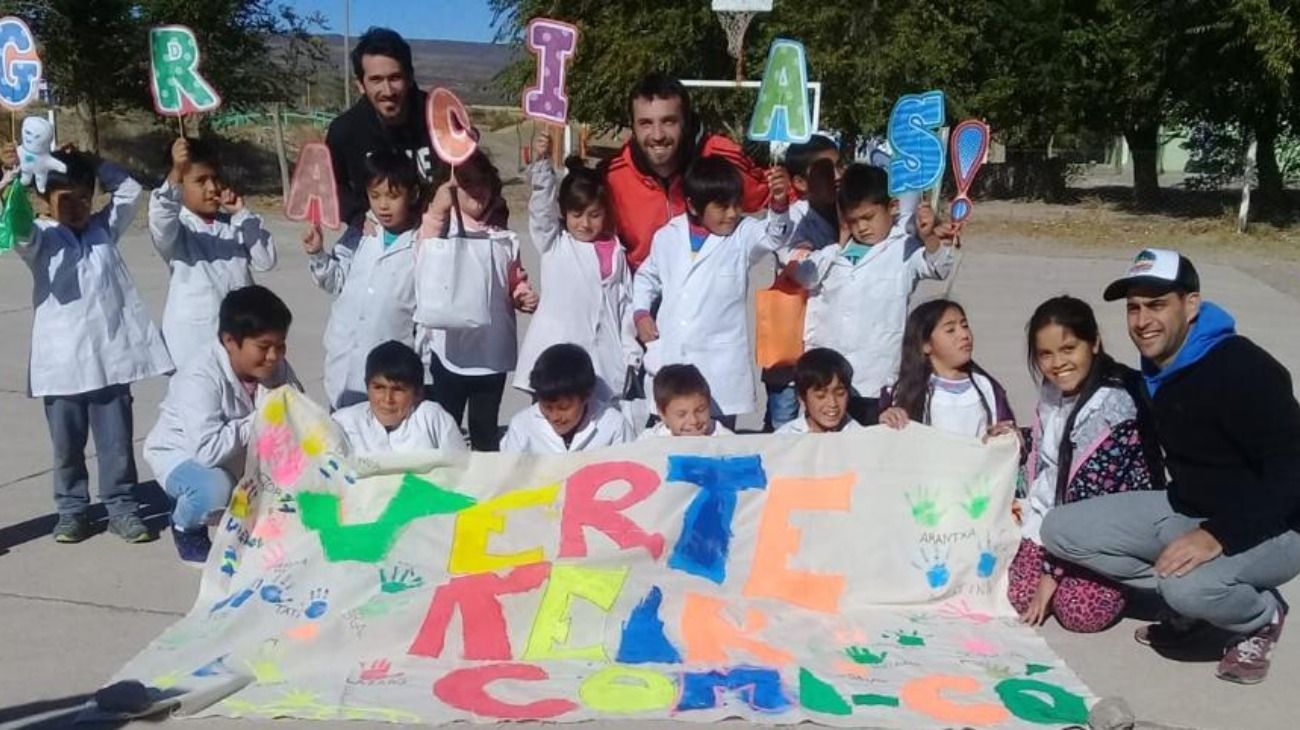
<point>859,310</point>
<point>428,427</point>
<point>493,348</point>
<point>800,425</point>
<point>90,329</point>
<point>703,319</point>
<point>374,302</point>
<point>661,431</point>
<point>964,414</point>
<point>577,306</point>
<point>207,415</point>
<point>207,259</point>
<point>531,433</point>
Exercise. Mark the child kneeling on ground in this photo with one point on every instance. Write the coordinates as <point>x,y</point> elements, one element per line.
<point>822,378</point>
<point>685,404</point>
<point>197,448</point>
<point>1091,437</point>
<point>395,416</point>
<point>565,417</point>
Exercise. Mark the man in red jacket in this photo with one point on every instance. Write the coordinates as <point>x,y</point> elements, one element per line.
<point>645,179</point>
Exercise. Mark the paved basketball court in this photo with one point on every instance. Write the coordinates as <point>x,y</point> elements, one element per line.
<point>73,614</point>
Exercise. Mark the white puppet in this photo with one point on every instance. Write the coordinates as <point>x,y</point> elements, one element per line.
<point>34,157</point>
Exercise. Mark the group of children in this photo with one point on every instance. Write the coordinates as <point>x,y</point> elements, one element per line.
<point>600,334</point>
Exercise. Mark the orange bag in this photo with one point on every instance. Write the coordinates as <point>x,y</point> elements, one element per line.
<point>779,323</point>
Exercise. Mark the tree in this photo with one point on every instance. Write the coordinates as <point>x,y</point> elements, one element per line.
<point>91,50</point>
<point>1238,62</point>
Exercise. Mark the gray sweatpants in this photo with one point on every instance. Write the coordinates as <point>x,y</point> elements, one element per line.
<point>1121,536</point>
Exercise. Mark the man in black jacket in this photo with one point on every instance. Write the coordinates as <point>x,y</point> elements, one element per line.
<point>1224,536</point>
<point>389,116</point>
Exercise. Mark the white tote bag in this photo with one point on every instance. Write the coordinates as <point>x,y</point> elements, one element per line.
<point>453,280</point>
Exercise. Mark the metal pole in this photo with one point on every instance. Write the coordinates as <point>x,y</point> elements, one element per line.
<point>347,28</point>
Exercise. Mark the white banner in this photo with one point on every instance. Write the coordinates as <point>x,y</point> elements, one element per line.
<point>847,579</point>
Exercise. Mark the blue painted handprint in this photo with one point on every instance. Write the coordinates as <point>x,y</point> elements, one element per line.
<point>276,592</point>
<point>988,560</point>
<point>935,565</point>
<point>318,603</point>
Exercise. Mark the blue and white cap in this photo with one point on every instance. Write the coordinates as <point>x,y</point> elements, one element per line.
<point>1157,270</point>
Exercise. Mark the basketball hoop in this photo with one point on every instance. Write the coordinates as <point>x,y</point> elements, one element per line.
<point>735,16</point>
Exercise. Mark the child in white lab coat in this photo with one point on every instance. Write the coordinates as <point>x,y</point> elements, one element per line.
<point>815,168</point>
<point>859,291</point>
<point>396,417</point>
<point>209,240</point>
<point>469,365</point>
<point>371,274</point>
<point>699,264</point>
<point>939,384</point>
<point>567,416</point>
<point>822,379</point>
<point>685,404</point>
<point>198,446</point>
<point>586,282</point>
<point>91,338</point>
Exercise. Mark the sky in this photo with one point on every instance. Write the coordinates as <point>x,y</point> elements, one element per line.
<point>459,20</point>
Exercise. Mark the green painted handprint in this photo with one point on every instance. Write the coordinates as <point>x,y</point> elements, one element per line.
<point>908,639</point>
<point>925,510</point>
<point>863,655</point>
<point>977,501</point>
<point>401,578</point>
<point>265,665</point>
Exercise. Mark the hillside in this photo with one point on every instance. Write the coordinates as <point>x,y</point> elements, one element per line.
<point>465,68</point>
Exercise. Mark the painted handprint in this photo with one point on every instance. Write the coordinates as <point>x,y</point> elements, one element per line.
<point>285,504</point>
<point>935,565</point>
<point>213,668</point>
<point>977,500</point>
<point>276,592</point>
<point>318,603</point>
<point>904,638</point>
<point>925,511</point>
<point>980,647</point>
<point>265,665</point>
<point>273,557</point>
<point>270,528</point>
<point>378,670</point>
<point>400,579</point>
<point>281,455</point>
<point>962,611</point>
<point>863,655</point>
<point>988,560</point>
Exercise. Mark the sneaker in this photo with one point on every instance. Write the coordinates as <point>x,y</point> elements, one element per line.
<point>1247,661</point>
<point>71,528</point>
<point>192,547</point>
<point>129,527</point>
<point>1171,632</point>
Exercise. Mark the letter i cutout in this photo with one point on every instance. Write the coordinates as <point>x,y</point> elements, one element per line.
<point>553,42</point>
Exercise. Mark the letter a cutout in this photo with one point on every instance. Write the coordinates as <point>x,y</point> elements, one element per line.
<point>178,87</point>
<point>781,113</point>
<point>313,196</point>
<point>554,43</point>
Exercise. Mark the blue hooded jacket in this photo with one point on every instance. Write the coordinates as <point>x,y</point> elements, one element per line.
<point>1212,326</point>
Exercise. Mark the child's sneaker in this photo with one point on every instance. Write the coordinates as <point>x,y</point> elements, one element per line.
<point>1247,661</point>
<point>71,528</point>
<point>1171,632</point>
<point>129,527</point>
<point>192,547</point>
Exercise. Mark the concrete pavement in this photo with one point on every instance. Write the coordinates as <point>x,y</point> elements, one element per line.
<point>73,614</point>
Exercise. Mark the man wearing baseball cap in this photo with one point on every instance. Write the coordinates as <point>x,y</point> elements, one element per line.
<point>1224,536</point>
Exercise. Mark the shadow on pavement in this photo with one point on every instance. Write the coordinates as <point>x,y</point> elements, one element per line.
<point>155,506</point>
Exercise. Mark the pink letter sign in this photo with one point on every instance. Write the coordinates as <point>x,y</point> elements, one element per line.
<point>449,127</point>
<point>313,196</point>
<point>553,42</point>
